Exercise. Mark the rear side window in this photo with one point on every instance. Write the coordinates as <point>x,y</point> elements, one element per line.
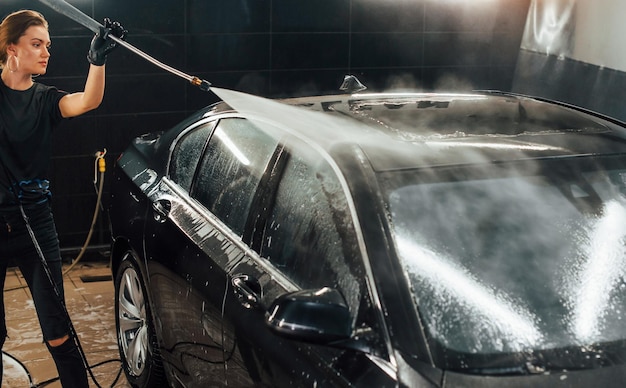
<point>187,153</point>
<point>231,169</point>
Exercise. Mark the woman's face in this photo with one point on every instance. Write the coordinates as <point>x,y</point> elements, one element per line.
<point>32,50</point>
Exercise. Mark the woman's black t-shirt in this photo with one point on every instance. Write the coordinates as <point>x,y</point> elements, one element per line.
<point>27,119</point>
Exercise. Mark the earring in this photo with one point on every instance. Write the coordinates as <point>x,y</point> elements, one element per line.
<point>17,64</point>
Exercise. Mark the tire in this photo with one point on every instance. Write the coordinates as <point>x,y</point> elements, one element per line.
<point>136,338</point>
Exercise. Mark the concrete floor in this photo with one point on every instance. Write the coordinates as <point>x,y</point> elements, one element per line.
<point>90,301</point>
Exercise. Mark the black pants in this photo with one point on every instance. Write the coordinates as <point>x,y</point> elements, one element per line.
<point>17,245</point>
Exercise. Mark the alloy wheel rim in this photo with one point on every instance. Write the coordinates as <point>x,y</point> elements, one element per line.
<point>132,328</point>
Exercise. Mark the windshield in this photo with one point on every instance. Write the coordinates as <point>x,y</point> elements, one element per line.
<point>507,262</point>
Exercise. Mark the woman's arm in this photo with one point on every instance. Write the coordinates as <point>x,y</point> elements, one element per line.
<point>75,104</point>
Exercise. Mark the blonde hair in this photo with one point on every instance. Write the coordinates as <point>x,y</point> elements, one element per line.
<point>14,26</point>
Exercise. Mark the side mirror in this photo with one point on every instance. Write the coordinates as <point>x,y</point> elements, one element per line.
<point>319,316</point>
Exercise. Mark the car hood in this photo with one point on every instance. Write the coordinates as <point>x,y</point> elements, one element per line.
<point>601,377</point>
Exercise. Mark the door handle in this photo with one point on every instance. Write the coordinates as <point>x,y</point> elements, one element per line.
<point>248,291</point>
<point>161,209</point>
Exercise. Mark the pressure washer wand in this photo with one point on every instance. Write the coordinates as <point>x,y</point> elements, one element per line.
<point>202,84</point>
<point>78,16</point>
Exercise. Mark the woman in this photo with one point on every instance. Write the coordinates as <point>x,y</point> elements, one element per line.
<point>29,111</point>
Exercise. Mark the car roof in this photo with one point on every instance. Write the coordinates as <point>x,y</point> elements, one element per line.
<point>423,130</point>
<point>428,130</point>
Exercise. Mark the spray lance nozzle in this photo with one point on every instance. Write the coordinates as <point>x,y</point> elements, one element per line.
<point>204,85</point>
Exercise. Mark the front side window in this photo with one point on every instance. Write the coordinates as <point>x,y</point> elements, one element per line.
<point>309,234</point>
<point>231,169</point>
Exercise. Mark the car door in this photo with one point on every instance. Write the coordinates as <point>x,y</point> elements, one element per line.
<point>308,240</point>
<point>195,234</point>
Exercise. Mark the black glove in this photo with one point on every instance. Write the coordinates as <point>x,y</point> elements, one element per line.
<point>102,45</point>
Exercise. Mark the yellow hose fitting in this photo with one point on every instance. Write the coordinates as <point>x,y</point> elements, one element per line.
<point>102,165</point>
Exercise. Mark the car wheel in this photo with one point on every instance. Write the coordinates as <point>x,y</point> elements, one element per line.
<point>136,338</point>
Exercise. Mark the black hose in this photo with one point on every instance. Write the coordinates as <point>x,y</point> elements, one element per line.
<point>52,380</point>
<point>21,364</point>
<point>73,334</point>
<point>44,264</point>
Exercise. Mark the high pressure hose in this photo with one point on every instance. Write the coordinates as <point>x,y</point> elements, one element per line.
<point>100,167</point>
<point>72,331</point>
<point>79,17</point>
<point>21,365</point>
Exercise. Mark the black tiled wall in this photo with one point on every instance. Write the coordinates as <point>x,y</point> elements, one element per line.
<point>274,48</point>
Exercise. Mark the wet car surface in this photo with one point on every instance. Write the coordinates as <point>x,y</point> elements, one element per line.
<point>373,240</point>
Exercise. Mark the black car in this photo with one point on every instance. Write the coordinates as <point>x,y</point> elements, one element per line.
<point>372,240</point>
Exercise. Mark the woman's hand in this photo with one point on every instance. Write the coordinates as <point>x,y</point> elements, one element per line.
<point>102,44</point>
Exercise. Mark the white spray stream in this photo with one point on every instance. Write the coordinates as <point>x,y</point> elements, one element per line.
<point>599,275</point>
<point>288,117</point>
<point>505,319</point>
